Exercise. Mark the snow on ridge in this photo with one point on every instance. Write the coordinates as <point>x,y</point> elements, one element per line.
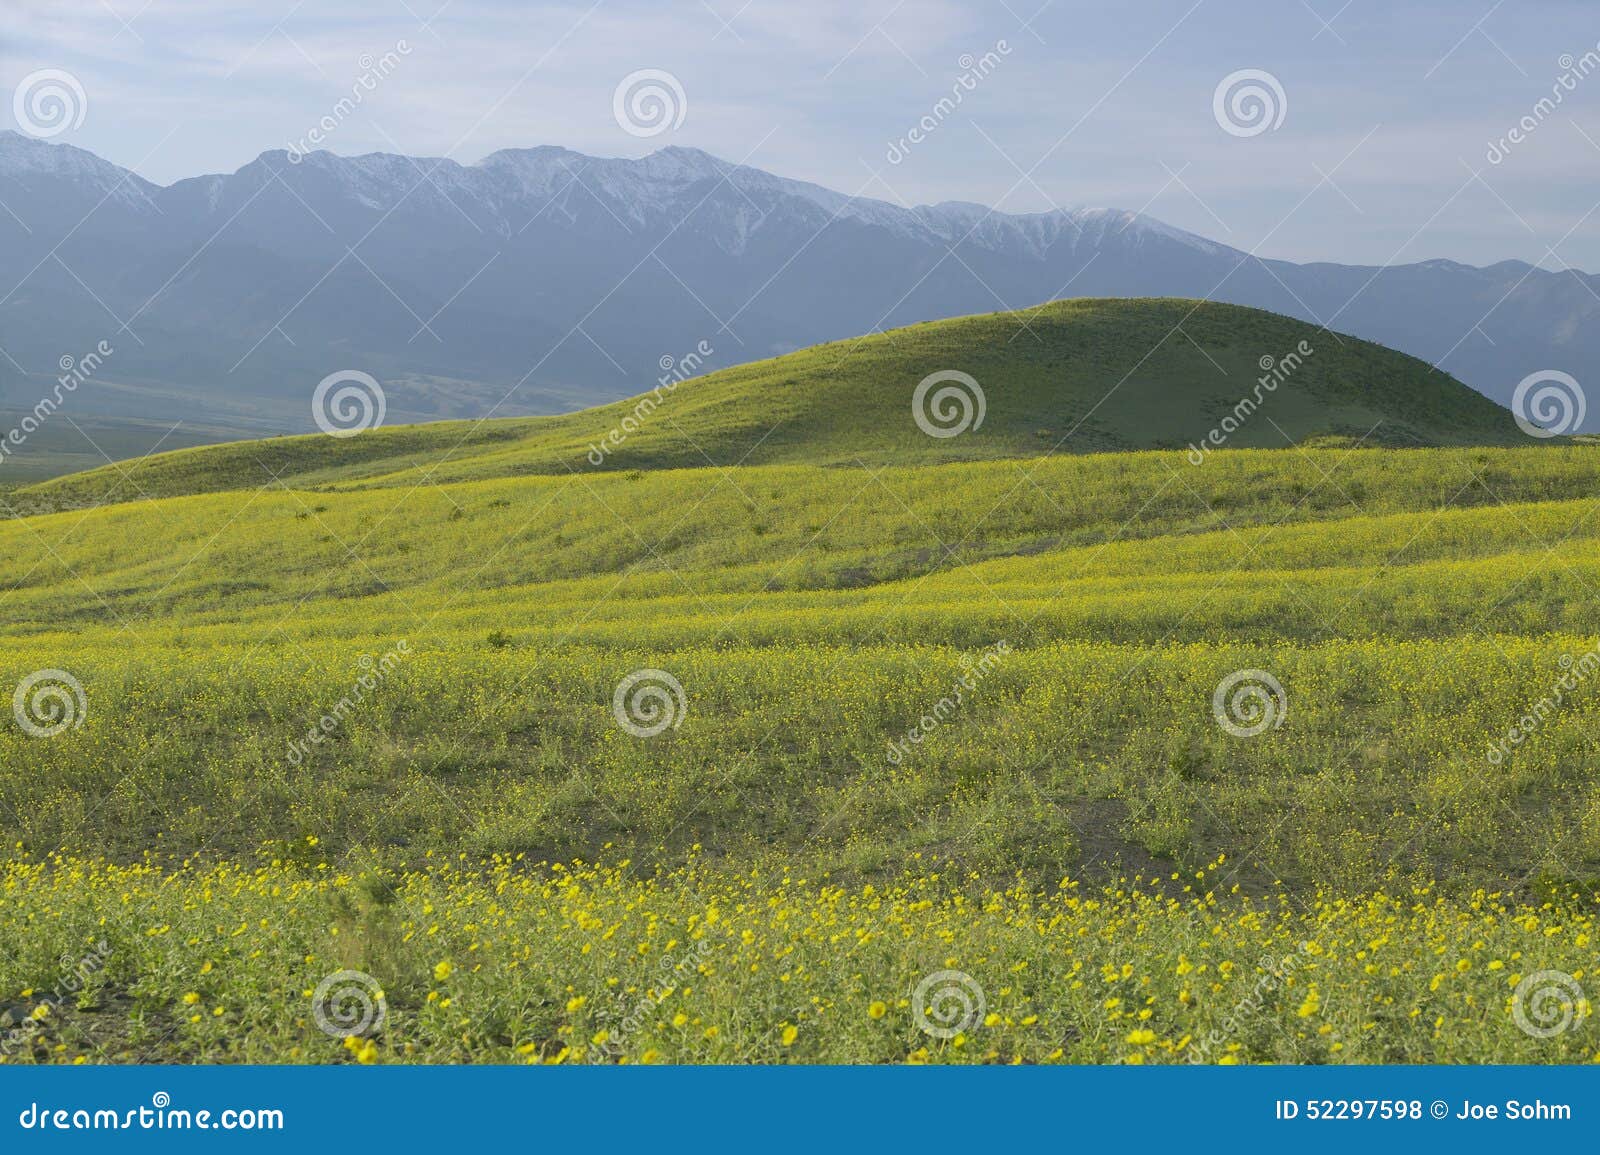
<point>22,156</point>
<point>733,201</point>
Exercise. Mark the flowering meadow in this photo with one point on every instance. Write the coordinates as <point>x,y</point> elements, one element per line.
<point>1284,757</point>
<point>511,963</point>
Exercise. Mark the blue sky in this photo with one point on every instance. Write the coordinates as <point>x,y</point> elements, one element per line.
<point>1389,109</point>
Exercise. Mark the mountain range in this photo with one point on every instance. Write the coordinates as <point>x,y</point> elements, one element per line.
<point>540,280</point>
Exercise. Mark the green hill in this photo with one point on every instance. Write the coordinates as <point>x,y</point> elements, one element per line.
<point>1074,377</point>
<point>912,715</point>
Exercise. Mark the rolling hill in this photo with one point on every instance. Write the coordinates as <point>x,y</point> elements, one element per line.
<point>776,735</point>
<point>1078,376</point>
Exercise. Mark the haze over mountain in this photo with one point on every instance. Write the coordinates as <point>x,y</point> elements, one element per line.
<point>540,280</point>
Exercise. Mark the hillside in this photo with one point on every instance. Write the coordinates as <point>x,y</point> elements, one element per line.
<point>1079,376</point>
<point>504,732</point>
<point>955,715</point>
<point>1413,602</point>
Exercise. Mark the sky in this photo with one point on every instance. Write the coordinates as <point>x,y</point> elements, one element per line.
<point>1386,134</point>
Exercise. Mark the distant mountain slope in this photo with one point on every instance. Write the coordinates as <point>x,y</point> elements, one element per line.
<point>540,278</point>
<point>1069,377</point>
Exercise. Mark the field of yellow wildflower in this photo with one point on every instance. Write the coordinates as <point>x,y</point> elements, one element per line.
<point>503,962</point>
<point>1113,759</point>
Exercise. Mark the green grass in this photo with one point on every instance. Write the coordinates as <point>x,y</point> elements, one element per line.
<point>462,618</point>
<point>812,614</point>
<point>73,443</point>
<point>1069,377</point>
<point>516,962</point>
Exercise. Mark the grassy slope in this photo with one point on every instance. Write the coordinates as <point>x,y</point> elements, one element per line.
<point>1413,604</point>
<point>63,446</point>
<point>812,613</point>
<point>1177,368</point>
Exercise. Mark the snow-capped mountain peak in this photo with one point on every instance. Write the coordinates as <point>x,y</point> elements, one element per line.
<point>23,157</point>
<point>591,269</point>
